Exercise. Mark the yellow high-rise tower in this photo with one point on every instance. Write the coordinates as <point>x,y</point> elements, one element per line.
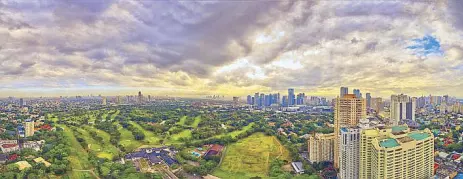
<point>396,152</point>
<point>349,110</point>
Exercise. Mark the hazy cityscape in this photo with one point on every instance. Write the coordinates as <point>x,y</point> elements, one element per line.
<point>236,89</point>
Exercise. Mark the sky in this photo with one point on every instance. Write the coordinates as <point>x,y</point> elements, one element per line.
<point>232,48</point>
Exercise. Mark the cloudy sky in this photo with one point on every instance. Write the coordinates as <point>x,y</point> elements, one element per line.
<point>186,48</point>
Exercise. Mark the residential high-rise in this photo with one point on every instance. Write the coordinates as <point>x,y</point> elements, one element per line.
<point>368,99</point>
<point>402,107</point>
<point>29,127</point>
<point>103,101</point>
<point>396,152</point>
<point>321,147</point>
<point>149,98</point>
<point>344,91</point>
<point>349,154</point>
<point>118,100</point>
<point>357,93</point>
<point>348,111</point>
<point>262,100</point>
<point>291,97</point>
<point>377,104</point>
<point>249,100</point>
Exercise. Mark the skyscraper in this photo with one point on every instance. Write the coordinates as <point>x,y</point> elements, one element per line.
<point>291,97</point>
<point>402,107</point>
<point>285,101</point>
<point>368,99</point>
<point>349,154</point>
<point>320,147</point>
<point>256,99</point>
<point>396,153</point>
<point>118,100</point>
<point>29,127</point>
<point>300,99</point>
<point>262,100</point>
<point>140,97</point>
<point>357,93</point>
<point>377,104</point>
<point>348,111</point>
<point>249,99</point>
<point>344,91</point>
<point>21,102</point>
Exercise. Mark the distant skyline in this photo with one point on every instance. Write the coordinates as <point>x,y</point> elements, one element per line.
<point>233,48</point>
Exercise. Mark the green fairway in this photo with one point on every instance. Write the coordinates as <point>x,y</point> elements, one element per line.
<point>150,137</point>
<point>182,121</point>
<point>113,116</point>
<point>250,157</point>
<point>196,122</point>
<point>184,134</point>
<point>102,149</point>
<point>236,133</point>
<point>127,139</point>
<point>78,157</point>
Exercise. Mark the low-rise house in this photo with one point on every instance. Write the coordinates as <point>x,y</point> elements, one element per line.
<point>41,160</point>
<point>154,156</point>
<point>215,150</point>
<point>35,145</point>
<point>7,148</point>
<point>3,158</point>
<point>23,165</point>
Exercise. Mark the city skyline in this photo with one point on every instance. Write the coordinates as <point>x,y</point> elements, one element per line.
<point>70,48</point>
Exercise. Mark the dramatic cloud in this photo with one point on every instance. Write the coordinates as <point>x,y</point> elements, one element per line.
<point>230,47</point>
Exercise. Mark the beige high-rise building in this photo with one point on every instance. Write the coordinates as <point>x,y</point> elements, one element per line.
<point>396,152</point>
<point>321,147</point>
<point>402,107</point>
<point>103,101</point>
<point>29,127</point>
<point>377,104</point>
<point>348,111</point>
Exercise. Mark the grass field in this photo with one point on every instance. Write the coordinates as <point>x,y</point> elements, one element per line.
<point>102,149</point>
<point>182,121</point>
<point>250,157</point>
<point>236,133</point>
<point>183,134</point>
<point>150,137</point>
<point>196,122</point>
<point>113,116</point>
<point>78,157</point>
<point>127,140</point>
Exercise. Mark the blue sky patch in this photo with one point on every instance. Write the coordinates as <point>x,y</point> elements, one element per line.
<point>428,45</point>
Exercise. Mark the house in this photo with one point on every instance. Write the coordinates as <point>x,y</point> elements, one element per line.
<point>8,142</point>
<point>23,165</point>
<point>297,166</point>
<point>13,157</point>
<point>154,156</point>
<point>214,150</point>
<point>7,148</point>
<point>41,160</point>
<point>35,145</point>
<point>3,158</point>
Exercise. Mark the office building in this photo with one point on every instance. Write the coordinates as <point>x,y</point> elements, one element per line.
<point>344,91</point>
<point>261,100</point>
<point>321,147</point>
<point>118,100</point>
<point>285,101</point>
<point>368,100</point>
<point>249,100</point>
<point>357,93</point>
<point>149,98</point>
<point>349,154</point>
<point>349,110</point>
<point>29,127</point>
<point>21,102</point>
<point>300,99</point>
<point>396,152</point>
<point>256,99</point>
<point>402,107</point>
<point>291,97</point>
<point>140,97</point>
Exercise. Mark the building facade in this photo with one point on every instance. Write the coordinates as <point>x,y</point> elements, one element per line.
<point>29,127</point>
<point>344,91</point>
<point>321,147</point>
<point>349,154</point>
<point>396,152</point>
<point>402,107</point>
<point>349,110</point>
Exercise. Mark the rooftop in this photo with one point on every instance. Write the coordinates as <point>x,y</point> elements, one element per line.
<point>389,143</point>
<point>418,136</point>
<point>399,128</point>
